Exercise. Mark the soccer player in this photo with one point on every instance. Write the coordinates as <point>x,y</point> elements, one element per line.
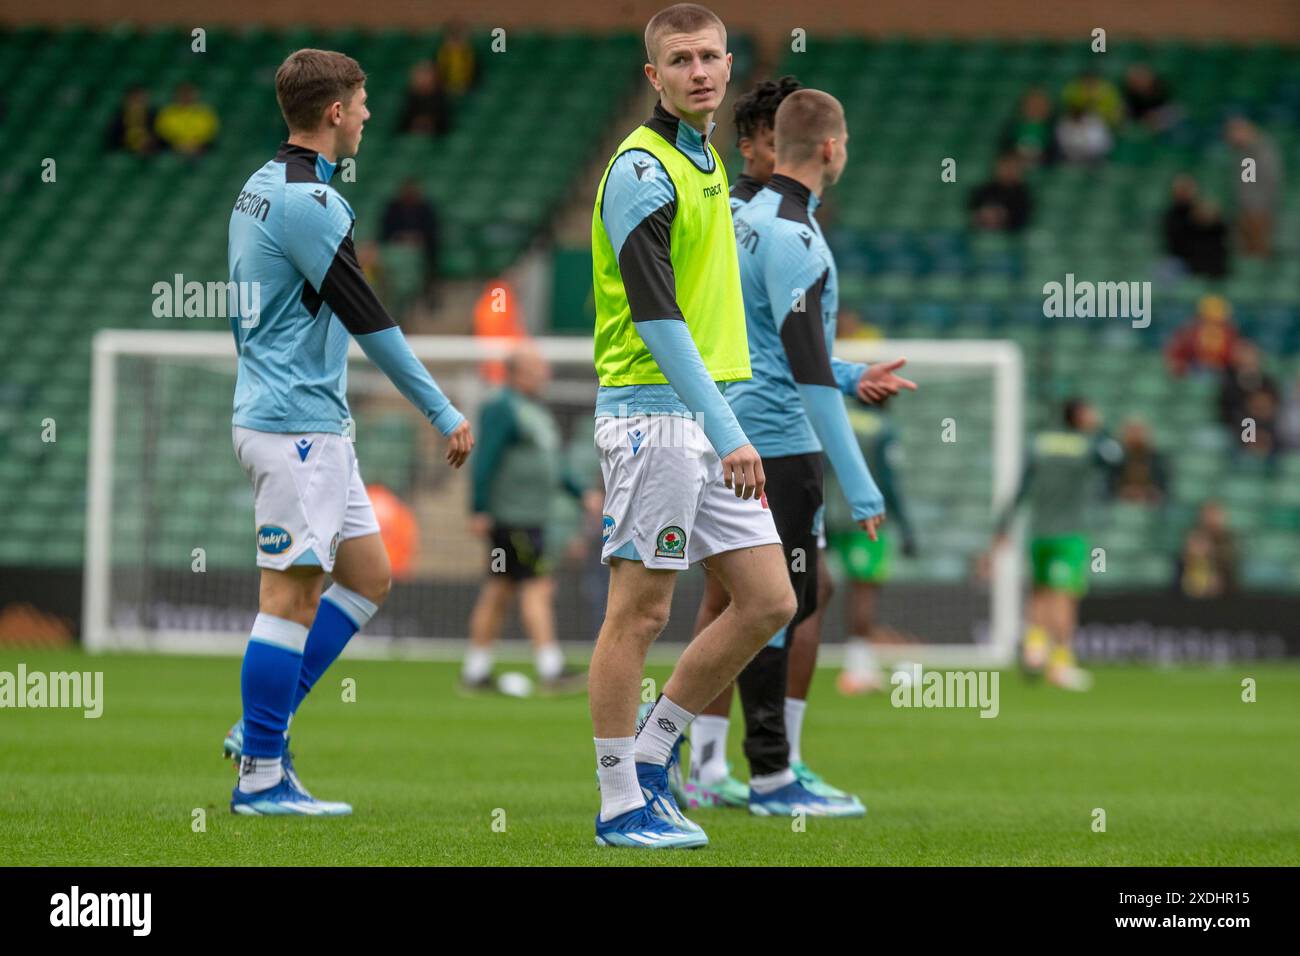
<point>291,233</point>
<point>682,482</point>
<point>1063,480</point>
<point>867,563</point>
<point>518,470</point>
<point>711,782</point>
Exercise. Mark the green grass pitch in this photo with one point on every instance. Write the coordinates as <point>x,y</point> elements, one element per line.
<point>1186,772</point>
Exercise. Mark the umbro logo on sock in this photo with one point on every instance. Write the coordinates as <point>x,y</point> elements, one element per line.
<point>666,724</point>
<point>609,760</point>
<point>247,765</point>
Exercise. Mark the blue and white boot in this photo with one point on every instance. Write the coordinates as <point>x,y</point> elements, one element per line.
<point>642,829</point>
<point>284,799</point>
<point>796,798</point>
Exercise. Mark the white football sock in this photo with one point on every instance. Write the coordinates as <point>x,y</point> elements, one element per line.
<point>709,749</point>
<point>767,782</point>
<point>667,722</point>
<point>859,658</point>
<point>478,664</point>
<point>620,791</point>
<point>549,660</point>
<point>259,773</point>
<point>794,709</point>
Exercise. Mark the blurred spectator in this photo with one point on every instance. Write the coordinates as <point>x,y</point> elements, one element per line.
<point>1178,216</point>
<point>456,60</point>
<point>1256,201</point>
<point>1141,476</point>
<point>187,124</point>
<point>1288,416</point>
<point>425,111</point>
<point>1083,137</point>
<point>1207,241</point>
<point>1003,203</point>
<point>1031,134</point>
<point>1243,379</point>
<point>1090,93</point>
<point>132,129</point>
<point>1206,341</point>
<point>1147,99</point>
<point>410,219</point>
<point>1208,564</point>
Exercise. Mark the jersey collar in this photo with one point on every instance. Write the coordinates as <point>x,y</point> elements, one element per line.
<point>688,140</point>
<point>306,159</point>
<point>796,190</point>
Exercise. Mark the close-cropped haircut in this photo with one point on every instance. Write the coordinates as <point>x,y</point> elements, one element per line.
<point>758,107</point>
<point>804,120</point>
<point>310,80</point>
<point>679,18</point>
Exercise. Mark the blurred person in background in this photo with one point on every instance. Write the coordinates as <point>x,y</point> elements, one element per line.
<point>187,124</point>
<point>132,128</point>
<point>1147,100</point>
<point>1177,220</point>
<point>1259,200</point>
<point>517,472</point>
<point>1243,379</point>
<point>1083,137</point>
<point>1206,341</point>
<point>1003,203</point>
<point>1031,133</point>
<point>457,63</point>
<point>1063,481</point>
<point>1092,93</point>
<point>868,563</point>
<point>410,219</point>
<point>425,111</point>
<point>1142,477</point>
<point>1207,565</point>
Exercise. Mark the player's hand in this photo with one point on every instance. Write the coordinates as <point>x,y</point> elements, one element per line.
<point>879,382</point>
<point>480,524</point>
<point>743,471</point>
<point>869,525</point>
<point>593,502</point>
<point>459,443</point>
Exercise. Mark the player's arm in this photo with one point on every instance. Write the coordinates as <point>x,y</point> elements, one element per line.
<point>638,212</point>
<point>319,243</point>
<point>794,287</point>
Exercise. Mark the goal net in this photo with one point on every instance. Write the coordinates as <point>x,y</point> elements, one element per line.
<point>170,557</point>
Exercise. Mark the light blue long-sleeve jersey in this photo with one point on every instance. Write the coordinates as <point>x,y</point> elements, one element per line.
<point>794,403</point>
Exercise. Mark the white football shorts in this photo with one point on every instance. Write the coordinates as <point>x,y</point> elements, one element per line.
<point>665,501</point>
<point>307,495</point>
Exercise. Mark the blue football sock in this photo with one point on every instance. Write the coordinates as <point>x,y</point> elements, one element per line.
<point>341,614</point>
<point>270,674</point>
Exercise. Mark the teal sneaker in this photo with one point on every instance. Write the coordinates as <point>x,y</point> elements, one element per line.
<point>815,784</point>
<point>727,792</point>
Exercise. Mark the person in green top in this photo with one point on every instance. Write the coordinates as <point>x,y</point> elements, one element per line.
<point>865,562</point>
<point>516,477</point>
<point>1063,481</point>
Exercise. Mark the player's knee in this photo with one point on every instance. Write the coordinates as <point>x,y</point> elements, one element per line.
<point>376,589</point>
<point>775,610</point>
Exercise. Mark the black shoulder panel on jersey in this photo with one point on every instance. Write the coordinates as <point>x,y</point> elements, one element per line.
<point>647,269</point>
<point>299,163</point>
<point>804,338</point>
<point>746,188</point>
<point>349,295</point>
<point>794,198</point>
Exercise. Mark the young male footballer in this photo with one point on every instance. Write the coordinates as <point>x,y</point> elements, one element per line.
<point>683,484</point>
<point>291,234</point>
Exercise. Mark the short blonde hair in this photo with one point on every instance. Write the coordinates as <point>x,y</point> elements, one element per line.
<point>679,18</point>
<point>804,120</point>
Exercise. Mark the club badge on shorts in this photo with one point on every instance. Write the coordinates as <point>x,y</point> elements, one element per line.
<point>671,543</point>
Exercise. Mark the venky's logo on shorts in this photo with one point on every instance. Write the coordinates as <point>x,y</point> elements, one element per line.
<point>671,543</point>
<point>606,528</point>
<point>272,539</point>
<point>334,544</point>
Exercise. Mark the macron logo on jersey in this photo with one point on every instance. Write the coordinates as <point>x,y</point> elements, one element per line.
<point>636,438</point>
<point>644,170</point>
<point>304,448</point>
<point>319,196</point>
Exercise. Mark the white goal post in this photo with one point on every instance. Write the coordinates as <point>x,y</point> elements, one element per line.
<point>130,604</point>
